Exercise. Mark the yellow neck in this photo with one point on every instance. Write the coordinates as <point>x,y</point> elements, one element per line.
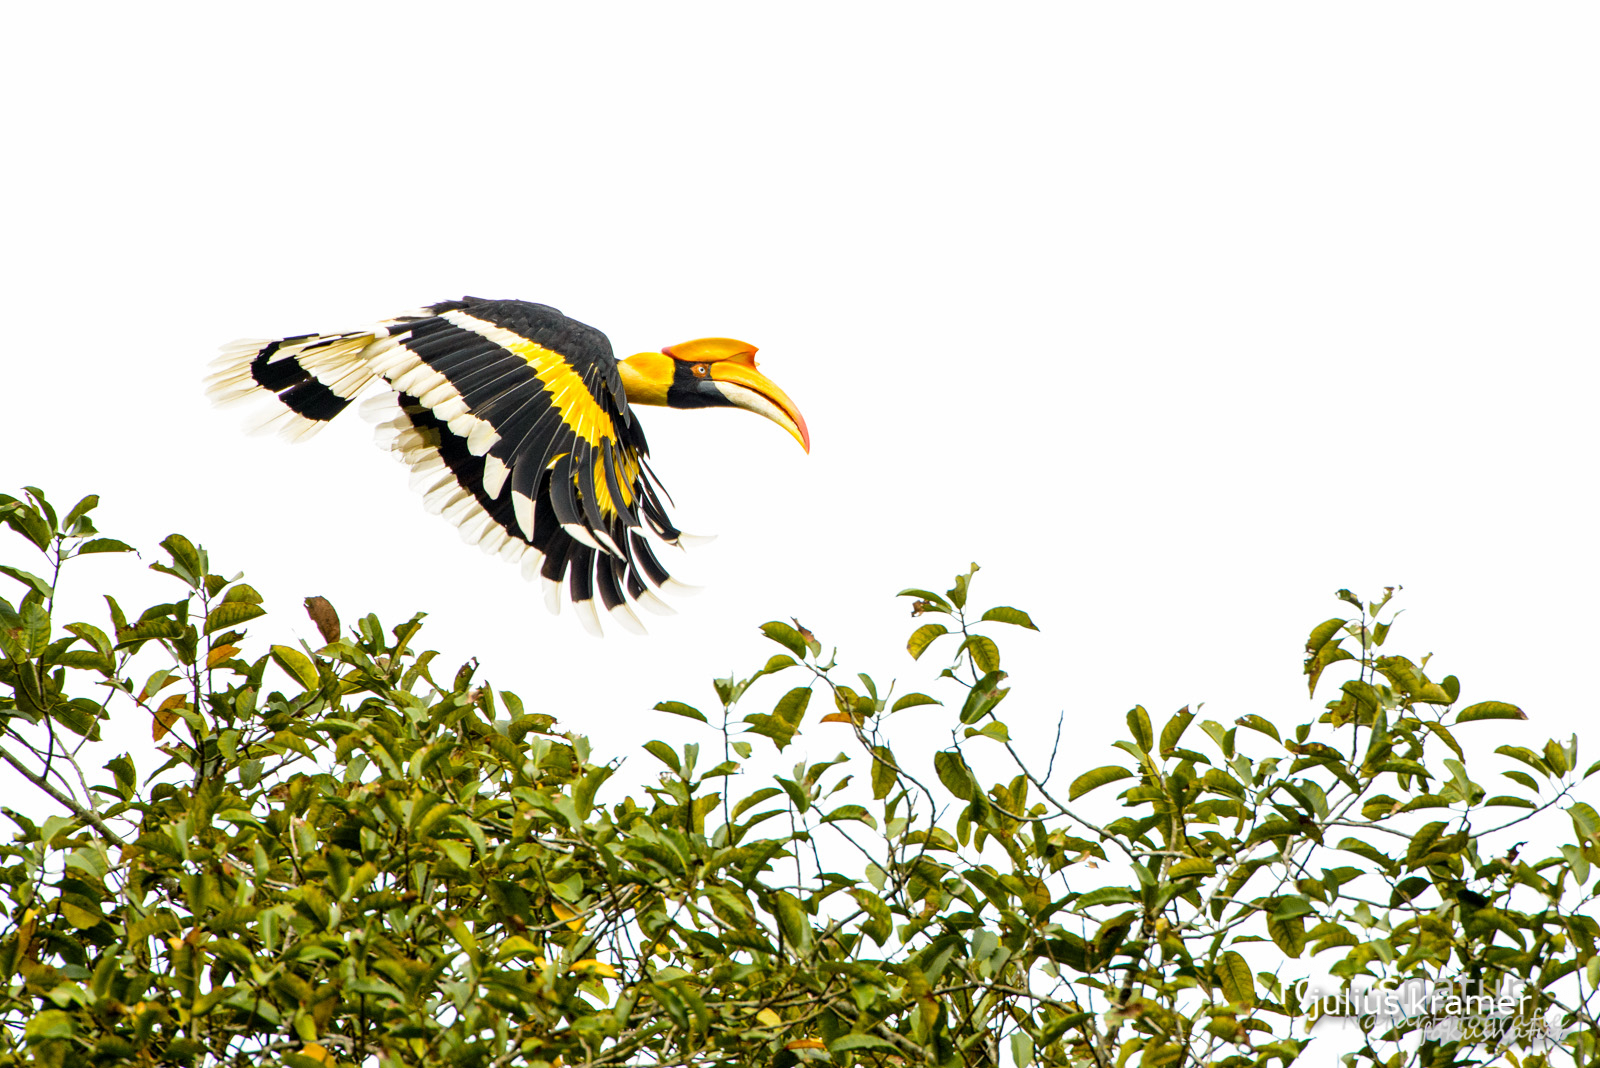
<point>646,377</point>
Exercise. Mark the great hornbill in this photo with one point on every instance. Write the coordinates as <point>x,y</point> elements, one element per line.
<point>515,422</point>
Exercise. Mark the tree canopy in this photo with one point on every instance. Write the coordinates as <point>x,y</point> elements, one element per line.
<point>346,855</point>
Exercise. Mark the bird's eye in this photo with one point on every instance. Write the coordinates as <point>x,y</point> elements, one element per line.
<point>701,370</point>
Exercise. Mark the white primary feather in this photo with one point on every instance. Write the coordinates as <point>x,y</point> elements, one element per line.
<point>494,477</point>
<point>590,618</point>
<point>624,618</point>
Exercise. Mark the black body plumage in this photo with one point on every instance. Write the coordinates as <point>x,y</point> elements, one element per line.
<point>515,423</point>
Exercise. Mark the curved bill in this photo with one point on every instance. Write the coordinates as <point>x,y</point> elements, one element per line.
<point>737,379</point>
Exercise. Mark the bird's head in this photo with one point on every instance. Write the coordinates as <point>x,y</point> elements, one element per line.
<point>710,372</point>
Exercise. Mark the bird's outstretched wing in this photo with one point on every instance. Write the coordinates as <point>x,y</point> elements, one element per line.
<point>514,422</point>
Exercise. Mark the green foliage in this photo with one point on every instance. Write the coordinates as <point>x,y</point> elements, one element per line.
<point>347,859</point>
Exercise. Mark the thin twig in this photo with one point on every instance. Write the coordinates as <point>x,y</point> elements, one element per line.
<point>65,799</point>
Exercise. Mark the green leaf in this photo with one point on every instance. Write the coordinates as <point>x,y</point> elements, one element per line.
<point>1139,725</point>
<point>1288,933</point>
<point>1329,936</point>
<point>25,520</point>
<point>912,700</point>
<point>88,660</point>
<point>91,634</point>
<point>1321,633</point>
<point>187,561</point>
<point>1527,756</point>
<point>785,636</point>
<point>955,774</point>
<point>242,592</point>
<point>1257,723</point>
<point>678,708</point>
<point>35,627</point>
<point>851,812</point>
<point>1092,780</point>
<point>1237,982</point>
<point>748,803</point>
<point>1370,852</point>
<point>984,652</point>
<point>958,592</point>
<point>845,1043</point>
<point>923,637</point>
<point>79,510</point>
<point>1578,861</point>
<point>1422,844</point>
<point>1006,614</point>
<point>666,754</point>
<point>104,545</point>
<point>1107,895</point>
<point>1173,731</point>
<point>879,923</point>
<point>27,578</point>
<point>776,663</point>
<point>1445,736</point>
<point>983,697</point>
<point>884,773</point>
<point>995,730</point>
<point>793,922</point>
<point>1585,820</point>
<point>1329,654</point>
<point>147,629</point>
<point>231,614</point>
<point>1489,710</point>
<point>127,778</point>
<point>935,602</point>
<point>1522,778</point>
<point>785,719</point>
<point>51,1023</point>
<point>296,664</point>
<point>1191,866</point>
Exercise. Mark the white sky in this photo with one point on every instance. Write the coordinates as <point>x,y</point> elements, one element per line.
<point>1175,317</point>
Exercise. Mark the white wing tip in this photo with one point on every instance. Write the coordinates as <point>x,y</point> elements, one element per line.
<point>580,534</point>
<point>623,616</point>
<point>589,617</point>
<point>680,589</point>
<point>651,603</point>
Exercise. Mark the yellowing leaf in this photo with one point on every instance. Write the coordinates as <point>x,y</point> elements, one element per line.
<point>220,653</point>
<point>1233,975</point>
<point>594,967</point>
<point>316,1053</point>
<point>1490,710</point>
<point>166,716</point>
<point>79,917</point>
<point>768,1017</point>
<point>232,614</point>
<point>922,637</point>
<point>1090,780</point>
<point>566,914</point>
<point>806,1043</point>
<point>297,665</point>
<point>516,944</point>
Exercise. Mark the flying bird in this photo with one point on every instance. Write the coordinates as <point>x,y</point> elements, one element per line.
<point>517,424</point>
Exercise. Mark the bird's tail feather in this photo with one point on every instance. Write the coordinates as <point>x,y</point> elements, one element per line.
<point>307,380</point>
